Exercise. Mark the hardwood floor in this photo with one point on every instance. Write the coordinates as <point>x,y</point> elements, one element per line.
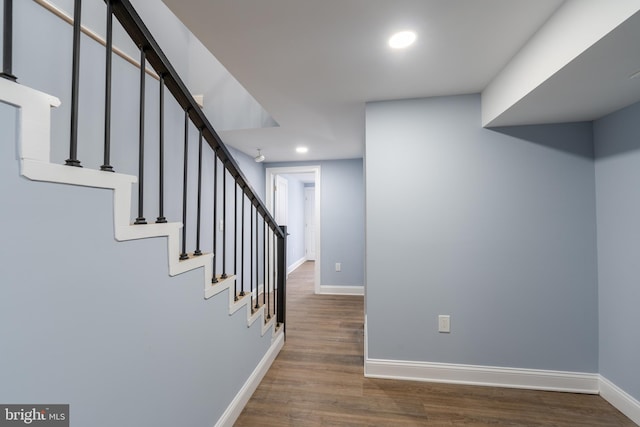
<point>317,380</point>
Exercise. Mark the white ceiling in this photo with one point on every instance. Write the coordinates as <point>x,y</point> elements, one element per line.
<point>313,64</point>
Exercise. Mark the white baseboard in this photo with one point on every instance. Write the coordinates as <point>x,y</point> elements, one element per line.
<point>533,379</point>
<point>295,265</point>
<point>620,399</point>
<point>341,290</point>
<point>238,403</point>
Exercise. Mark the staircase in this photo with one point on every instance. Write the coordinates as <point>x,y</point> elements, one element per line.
<point>245,249</point>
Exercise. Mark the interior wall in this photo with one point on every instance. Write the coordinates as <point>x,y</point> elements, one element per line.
<point>342,220</point>
<point>495,228</point>
<point>617,148</point>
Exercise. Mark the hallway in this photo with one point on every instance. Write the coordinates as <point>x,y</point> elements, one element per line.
<point>317,380</point>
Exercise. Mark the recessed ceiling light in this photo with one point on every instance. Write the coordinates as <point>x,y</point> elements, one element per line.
<point>402,39</point>
<point>301,149</point>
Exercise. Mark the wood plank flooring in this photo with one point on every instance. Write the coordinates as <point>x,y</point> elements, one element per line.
<point>317,380</point>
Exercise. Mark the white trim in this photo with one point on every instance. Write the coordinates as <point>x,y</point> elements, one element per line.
<point>315,169</point>
<point>341,290</point>
<point>620,399</point>
<point>533,379</point>
<point>295,265</point>
<point>238,403</point>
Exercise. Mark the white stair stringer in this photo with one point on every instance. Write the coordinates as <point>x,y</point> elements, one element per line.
<point>34,133</point>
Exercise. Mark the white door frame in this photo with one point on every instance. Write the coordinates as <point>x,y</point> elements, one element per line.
<point>310,243</point>
<point>270,180</point>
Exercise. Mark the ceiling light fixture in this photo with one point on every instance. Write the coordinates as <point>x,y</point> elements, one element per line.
<point>259,158</point>
<point>301,149</point>
<point>402,39</point>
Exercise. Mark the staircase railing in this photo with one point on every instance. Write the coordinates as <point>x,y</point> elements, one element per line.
<point>266,248</point>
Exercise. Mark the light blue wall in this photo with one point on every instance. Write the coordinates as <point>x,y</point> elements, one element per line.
<point>342,220</point>
<point>617,143</point>
<point>493,227</point>
<point>113,329</point>
<point>342,213</point>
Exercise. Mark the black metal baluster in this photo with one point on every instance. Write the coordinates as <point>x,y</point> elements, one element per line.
<point>75,86</point>
<point>140,219</point>
<point>251,257</point>
<point>257,264</point>
<point>161,219</point>
<point>242,227</point>
<point>268,270</point>
<point>107,91</point>
<point>7,42</point>
<point>198,252</point>
<point>235,241</point>
<point>214,279</point>
<point>224,223</point>
<point>143,64</point>
<point>184,255</point>
<point>264,262</point>
<point>282,282</point>
<point>275,284</point>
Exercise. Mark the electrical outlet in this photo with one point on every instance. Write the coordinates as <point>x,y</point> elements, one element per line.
<point>444,323</point>
<point>338,266</point>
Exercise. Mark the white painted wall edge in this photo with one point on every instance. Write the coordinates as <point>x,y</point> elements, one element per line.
<point>533,379</point>
<point>238,403</point>
<point>295,265</point>
<point>46,4</point>
<point>341,290</point>
<point>571,30</point>
<point>620,399</point>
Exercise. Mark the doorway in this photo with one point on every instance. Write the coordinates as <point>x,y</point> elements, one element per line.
<point>308,214</point>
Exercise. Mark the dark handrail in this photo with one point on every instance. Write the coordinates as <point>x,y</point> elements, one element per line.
<point>139,33</point>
